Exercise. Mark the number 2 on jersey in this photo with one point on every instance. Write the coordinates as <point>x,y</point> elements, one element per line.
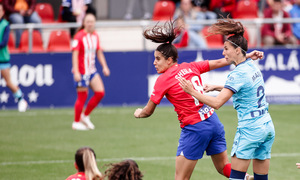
<point>197,86</point>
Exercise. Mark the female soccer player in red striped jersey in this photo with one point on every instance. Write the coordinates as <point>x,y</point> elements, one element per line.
<point>201,127</point>
<point>85,47</point>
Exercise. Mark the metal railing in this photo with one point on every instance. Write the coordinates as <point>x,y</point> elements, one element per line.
<point>257,22</point>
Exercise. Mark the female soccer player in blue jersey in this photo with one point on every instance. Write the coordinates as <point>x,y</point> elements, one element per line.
<point>255,132</point>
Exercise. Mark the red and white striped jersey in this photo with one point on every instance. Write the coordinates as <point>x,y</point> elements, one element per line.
<point>188,108</point>
<point>87,45</point>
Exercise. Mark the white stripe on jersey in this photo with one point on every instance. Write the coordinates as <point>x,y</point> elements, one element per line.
<point>90,46</point>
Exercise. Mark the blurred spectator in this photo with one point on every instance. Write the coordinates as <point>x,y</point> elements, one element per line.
<point>124,170</point>
<point>20,12</point>
<point>222,7</point>
<point>188,12</point>
<point>278,33</point>
<point>90,8</point>
<point>182,38</point>
<point>203,6</point>
<point>295,13</point>
<point>144,6</point>
<point>75,10</point>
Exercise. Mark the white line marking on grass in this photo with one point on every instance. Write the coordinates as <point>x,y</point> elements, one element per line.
<point>120,159</point>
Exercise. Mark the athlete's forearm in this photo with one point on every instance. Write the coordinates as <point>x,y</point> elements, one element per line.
<point>75,68</point>
<point>102,59</point>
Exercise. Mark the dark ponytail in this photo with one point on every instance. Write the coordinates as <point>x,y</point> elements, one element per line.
<point>234,29</point>
<point>164,34</point>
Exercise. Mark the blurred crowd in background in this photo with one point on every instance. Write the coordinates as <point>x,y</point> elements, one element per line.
<point>190,35</point>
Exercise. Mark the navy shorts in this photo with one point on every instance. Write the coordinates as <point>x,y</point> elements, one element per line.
<point>85,80</point>
<point>207,135</point>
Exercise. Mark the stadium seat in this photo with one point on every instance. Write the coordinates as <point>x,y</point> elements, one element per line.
<point>213,41</point>
<point>37,42</point>
<point>11,44</point>
<point>163,10</point>
<point>246,9</point>
<point>45,11</point>
<point>59,41</point>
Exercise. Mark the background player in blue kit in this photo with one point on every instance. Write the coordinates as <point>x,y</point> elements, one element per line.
<point>255,132</point>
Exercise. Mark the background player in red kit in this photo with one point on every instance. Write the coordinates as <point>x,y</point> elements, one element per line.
<point>85,47</point>
<point>201,127</point>
<point>85,163</point>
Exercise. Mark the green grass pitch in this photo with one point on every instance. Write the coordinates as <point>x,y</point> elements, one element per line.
<point>40,143</point>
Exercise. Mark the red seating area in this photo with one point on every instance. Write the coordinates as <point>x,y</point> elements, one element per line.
<point>59,41</point>
<point>163,10</point>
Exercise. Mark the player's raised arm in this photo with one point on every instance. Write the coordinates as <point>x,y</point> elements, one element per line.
<point>215,64</point>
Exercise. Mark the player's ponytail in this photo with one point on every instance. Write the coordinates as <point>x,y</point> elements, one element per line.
<point>85,159</point>
<point>234,29</point>
<point>163,34</point>
<point>91,170</point>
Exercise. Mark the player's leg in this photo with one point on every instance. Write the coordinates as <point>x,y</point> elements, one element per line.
<point>17,93</point>
<point>239,168</point>
<point>217,147</point>
<point>262,155</point>
<point>221,163</point>
<point>82,93</point>
<point>261,169</point>
<point>184,168</point>
<point>97,86</point>
<point>5,73</point>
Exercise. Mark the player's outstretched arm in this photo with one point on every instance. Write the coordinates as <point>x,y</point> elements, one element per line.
<point>215,102</point>
<point>210,87</point>
<point>215,64</point>
<point>146,111</point>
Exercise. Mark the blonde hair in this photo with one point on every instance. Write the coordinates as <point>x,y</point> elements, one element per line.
<point>86,161</point>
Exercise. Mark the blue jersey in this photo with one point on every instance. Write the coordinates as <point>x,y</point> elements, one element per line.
<point>246,81</point>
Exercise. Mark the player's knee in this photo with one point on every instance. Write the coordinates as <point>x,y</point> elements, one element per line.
<point>99,95</point>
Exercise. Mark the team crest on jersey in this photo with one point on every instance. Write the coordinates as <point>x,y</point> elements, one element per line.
<point>230,78</point>
<point>74,43</point>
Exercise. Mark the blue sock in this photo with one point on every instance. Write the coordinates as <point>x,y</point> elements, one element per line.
<point>237,175</point>
<point>18,95</point>
<point>260,177</point>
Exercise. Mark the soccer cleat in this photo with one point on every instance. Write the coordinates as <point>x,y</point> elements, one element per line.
<point>86,120</point>
<point>79,126</point>
<point>22,105</point>
<point>248,177</point>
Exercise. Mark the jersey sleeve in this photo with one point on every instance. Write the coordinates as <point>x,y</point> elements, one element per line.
<point>159,91</point>
<point>235,81</point>
<point>202,66</point>
<point>76,43</point>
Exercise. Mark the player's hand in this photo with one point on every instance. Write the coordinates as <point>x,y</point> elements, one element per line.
<point>298,165</point>
<point>186,85</point>
<point>77,76</point>
<point>208,87</point>
<point>106,71</point>
<point>137,112</point>
<point>255,55</point>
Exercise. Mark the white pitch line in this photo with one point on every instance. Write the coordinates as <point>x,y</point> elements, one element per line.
<point>120,159</point>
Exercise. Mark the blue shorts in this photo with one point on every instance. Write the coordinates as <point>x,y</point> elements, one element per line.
<point>85,80</point>
<point>4,65</point>
<point>254,142</point>
<point>207,135</point>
